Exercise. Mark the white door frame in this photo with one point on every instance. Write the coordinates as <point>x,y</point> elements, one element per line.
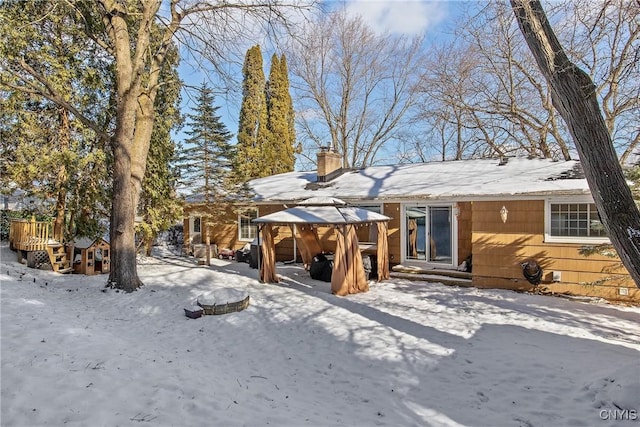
<point>454,235</point>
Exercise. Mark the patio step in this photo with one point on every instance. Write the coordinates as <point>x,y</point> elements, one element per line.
<point>447,277</point>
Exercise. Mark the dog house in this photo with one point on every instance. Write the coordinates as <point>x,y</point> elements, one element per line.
<point>91,256</point>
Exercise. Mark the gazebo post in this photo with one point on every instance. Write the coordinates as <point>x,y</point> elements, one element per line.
<point>382,252</point>
<point>267,259</point>
<point>339,273</point>
<point>295,243</point>
<point>259,252</point>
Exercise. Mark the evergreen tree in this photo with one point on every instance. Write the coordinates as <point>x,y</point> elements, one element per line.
<point>206,163</point>
<point>280,118</point>
<point>289,112</point>
<point>206,159</point>
<point>50,153</point>
<point>253,162</point>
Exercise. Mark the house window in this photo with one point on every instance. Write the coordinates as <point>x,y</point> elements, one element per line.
<point>247,230</point>
<point>574,222</point>
<point>195,230</point>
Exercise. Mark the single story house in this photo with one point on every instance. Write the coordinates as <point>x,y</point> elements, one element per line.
<point>493,214</point>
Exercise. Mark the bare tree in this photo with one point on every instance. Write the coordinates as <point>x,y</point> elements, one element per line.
<point>486,83</point>
<point>574,96</point>
<point>354,87</point>
<point>506,102</point>
<point>136,36</point>
<point>605,42</point>
<point>454,108</point>
<point>512,91</point>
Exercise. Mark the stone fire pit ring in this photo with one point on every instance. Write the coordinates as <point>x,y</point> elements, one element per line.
<point>223,301</point>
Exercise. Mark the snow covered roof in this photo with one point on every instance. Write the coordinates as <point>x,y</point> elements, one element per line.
<point>84,242</point>
<point>452,180</point>
<point>322,201</point>
<point>314,214</point>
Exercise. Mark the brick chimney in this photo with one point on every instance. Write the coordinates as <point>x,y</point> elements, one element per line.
<point>329,164</point>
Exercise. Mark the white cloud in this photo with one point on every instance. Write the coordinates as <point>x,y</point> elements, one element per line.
<point>410,17</point>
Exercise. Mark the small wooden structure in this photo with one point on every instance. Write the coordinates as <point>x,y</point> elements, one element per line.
<point>348,275</point>
<point>91,256</point>
<point>30,239</point>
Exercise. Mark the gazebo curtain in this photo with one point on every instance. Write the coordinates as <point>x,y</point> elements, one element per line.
<point>383,251</point>
<point>355,267</point>
<point>308,243</point>
<point>268,264</point>
<point>339,285</point>
<point>348,275</point>
<point>413,238</point>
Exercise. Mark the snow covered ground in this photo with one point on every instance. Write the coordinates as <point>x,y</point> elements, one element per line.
<point>404,354</point>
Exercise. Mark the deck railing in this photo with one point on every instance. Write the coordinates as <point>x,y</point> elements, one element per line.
<point>29,234</point>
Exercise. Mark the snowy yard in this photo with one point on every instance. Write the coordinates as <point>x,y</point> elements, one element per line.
<point>404,354</point>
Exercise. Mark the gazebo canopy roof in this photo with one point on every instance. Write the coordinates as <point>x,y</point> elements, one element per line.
<point>347,275</point>
<point>322,215</point>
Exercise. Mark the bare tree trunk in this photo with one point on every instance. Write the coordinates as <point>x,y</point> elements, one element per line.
<point>130,147</point>
<point>574,96</point>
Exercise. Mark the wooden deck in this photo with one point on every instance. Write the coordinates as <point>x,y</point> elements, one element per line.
<point>28,236</point>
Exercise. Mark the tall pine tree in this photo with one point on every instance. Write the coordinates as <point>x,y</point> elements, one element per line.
<point>266,133</point>
<point>252,161</point>
<point>280,118</point>
<point>206,162</point>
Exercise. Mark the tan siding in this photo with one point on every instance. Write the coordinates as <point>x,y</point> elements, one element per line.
<point>185,227</point>
<point>464,230</point>
<point>224,234</point>
<point>392,210</point>
<point>499,248</point>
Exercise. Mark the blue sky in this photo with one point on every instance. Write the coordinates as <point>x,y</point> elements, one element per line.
<point>402,16</point>
<point>411,17</point>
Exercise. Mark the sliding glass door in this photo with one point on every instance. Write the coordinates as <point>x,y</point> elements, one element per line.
<point>440,232</point>
<point>429,234</point>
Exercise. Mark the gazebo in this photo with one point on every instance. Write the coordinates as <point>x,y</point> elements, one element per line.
<point>348,276</point>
